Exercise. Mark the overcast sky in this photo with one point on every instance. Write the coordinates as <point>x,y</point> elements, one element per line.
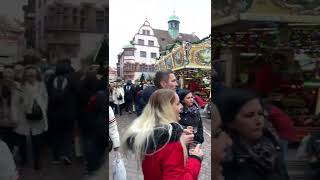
<point>127,16</point>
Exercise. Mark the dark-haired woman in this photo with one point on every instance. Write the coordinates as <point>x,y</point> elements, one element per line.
<point>255,153</point>
<point>190,114</point>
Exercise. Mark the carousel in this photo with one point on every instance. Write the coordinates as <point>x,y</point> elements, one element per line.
<point>253,34</point>
<point>191,63</point>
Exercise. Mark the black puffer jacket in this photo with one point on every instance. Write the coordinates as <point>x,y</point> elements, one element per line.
<point>239,164</point>
<point>144,98</point>
<point>193,119</point>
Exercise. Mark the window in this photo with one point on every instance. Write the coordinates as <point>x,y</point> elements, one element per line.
<point>82,23</point>
<point>75,20</point>
<point>153,55</point>
<point>128,53</point>
<point>140,41</point>
<point>143,54</point>
<point>148,32</point>
<point>144,32</point>
<point>151,43</point>
<point>100,23</point>
<point>39,5</point>
<point>75,10</point>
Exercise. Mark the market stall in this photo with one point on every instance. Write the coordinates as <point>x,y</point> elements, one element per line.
<point>191,62</point>
<point>259,44</point>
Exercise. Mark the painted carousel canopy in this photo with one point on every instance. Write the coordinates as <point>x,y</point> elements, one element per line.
<point>291,11</point>
<point>186,55</point>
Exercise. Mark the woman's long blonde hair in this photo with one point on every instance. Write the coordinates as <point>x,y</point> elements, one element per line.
<point>158,113</point>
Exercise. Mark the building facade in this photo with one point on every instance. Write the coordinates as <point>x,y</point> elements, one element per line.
<point>59,25</point>
<point>138,58</point>
<point>29,20</point>
<point>112,74</point>
<point>12,41</point>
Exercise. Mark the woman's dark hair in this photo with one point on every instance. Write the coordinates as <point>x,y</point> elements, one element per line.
<point>230,101</point>
<point>182,93</point>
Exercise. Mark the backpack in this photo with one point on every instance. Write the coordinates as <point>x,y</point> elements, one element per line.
<point>59,88</point>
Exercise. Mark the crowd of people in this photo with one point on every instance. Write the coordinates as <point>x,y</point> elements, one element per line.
<point>50,106</point>
<point>167,134</point>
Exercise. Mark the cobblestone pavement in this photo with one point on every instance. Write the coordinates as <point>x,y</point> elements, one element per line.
<point>131,166</point>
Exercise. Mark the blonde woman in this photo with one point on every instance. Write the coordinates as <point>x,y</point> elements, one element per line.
<point>158,142</point>
<point>118,97</point>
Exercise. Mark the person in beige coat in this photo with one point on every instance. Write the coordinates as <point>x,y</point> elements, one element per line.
<point>33,91</point>
<point>118,97</point>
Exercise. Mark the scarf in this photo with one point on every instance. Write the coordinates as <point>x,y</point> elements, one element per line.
<point>261,155</point>
<point>192,109</point>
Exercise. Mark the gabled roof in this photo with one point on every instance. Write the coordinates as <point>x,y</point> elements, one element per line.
<point>164,38</point>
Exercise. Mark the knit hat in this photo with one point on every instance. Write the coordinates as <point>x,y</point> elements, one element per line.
<point>230,101</point>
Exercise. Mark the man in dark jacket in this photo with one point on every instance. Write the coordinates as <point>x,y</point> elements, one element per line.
<point>97,130</point>
<point>61,112</point>
<point>129,95</point>
<point>163,80</point>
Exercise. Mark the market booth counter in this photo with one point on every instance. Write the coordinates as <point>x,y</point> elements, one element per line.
<point>249,34</point>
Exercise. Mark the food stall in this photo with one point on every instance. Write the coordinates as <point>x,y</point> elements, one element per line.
<point>191,63</point>
<point>261,42</point>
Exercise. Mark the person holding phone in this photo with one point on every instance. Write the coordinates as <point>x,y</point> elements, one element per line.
<point>159,142</point>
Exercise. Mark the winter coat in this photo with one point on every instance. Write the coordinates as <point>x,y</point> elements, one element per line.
<point>144,98</point>
<point>116,93</point>
<point>165,159</point>
<point>113,129</point>
<point>169,163</point>
<point>189,118</point>
<point>129,94</point>
<point>30,93</point>
<point>63,112</point>
<point>9,107</point>
<point>240,165</point>
<point>282,123</point>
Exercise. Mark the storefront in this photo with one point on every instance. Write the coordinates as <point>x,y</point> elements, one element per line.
<point>275,51</point>
<point>191,62</point>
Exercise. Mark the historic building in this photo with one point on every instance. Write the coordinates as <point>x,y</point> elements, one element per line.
<point>57,27</point>
<point>138,57</point>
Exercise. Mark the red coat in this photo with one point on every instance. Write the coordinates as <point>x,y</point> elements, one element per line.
<point>282,123</point>
<point>168,164</point>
